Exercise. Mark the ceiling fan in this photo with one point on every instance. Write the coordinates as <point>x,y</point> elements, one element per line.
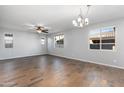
<point>39,28</point>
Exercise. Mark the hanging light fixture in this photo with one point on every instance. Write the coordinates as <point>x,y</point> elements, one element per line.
<point>81,21</point>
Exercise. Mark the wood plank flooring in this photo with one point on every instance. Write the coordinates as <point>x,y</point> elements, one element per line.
<point>52,71</point>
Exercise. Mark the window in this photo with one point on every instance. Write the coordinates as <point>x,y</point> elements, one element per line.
<point>108,38</point>
<point>8,40</point>
<point>42,41</point>
<point>103,39</point>
<point>95,39</point>
<point>59,41</point>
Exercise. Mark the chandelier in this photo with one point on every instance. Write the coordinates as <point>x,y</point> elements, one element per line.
<point>81,21</point>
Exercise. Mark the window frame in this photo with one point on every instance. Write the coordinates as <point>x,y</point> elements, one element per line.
<point>42,42</point>
<point>8,35</point>
<point>111,50</point>
<point>59,46</point>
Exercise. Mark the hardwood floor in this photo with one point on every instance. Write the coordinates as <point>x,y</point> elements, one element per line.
<point>51,71</point>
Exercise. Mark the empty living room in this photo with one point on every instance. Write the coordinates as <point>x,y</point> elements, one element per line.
<point>61,45</point>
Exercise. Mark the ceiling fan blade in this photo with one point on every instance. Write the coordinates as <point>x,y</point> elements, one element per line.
<point>45,31</point>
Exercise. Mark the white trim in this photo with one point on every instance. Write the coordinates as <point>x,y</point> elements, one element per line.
<point>22,56</point>
<point>104,64</point>
<point>100,40</point>
<point>59,45</point>
<point>87,61</point>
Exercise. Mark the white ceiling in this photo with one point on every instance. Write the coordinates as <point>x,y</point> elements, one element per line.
<point>58,17</point>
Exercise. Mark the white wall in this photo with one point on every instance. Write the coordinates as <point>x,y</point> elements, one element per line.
<point>76,45</point>
<point>25,44</point>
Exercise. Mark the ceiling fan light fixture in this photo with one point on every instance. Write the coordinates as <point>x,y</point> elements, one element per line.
<point>39,31</point>
<point>39,28</point>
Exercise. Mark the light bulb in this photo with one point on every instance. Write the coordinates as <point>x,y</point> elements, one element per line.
<point>81,25</point>
<point>86,21</point>
<point>73,22</point>
<point>38,31</point>
<point>79,19</point>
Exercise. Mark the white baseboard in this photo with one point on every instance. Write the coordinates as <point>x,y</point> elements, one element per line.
<point>22,56</point>
<point>82,60</point>
<point>90,61</point>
